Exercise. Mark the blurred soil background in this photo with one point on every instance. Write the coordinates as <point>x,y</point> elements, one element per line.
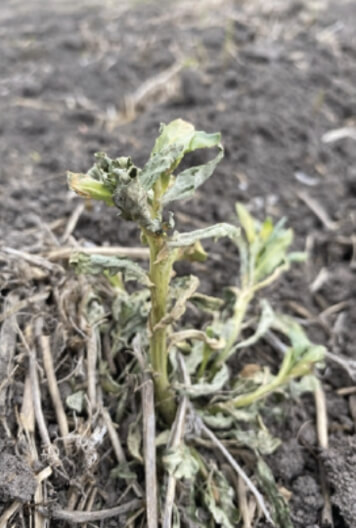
<point>277,78</point>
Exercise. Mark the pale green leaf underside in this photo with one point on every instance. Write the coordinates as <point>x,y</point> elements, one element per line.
<point>187,181</point>
<point>265,322</point>
<point>212,387</point>
<point>216,231</point>
<point>180,462</point>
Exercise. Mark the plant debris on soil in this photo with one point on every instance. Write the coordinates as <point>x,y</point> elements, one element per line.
<point>277,79</point>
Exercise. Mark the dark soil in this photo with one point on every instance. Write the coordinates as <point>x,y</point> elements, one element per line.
<point>274,77</point>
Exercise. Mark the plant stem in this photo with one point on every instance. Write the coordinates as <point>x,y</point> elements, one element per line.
<point>281,378</point>
<point>160,274</point>
<point>234,326</point>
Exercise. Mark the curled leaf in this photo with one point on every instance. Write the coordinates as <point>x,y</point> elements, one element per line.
<point>216,231</point>
<point>134,440</point>
<point>187,288</point>
<point>88,187</point>
<point>207,387</point>
<point>280,510</point>
<point>265,322</point>
<point>181,462</point>
<point>175,140</point>
<point>96,264</point>
<point>186,182</point>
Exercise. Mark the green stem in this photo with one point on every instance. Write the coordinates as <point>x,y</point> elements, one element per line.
<point>206,356</point>
<point>160,274</point>
<point>234,326</point>
<point>282,376</point>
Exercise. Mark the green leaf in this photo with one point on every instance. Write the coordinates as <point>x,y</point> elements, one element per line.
<point>216,231</point>
<point>159,164</point>
<point>183,134</point>
<point>297,256</point>
<point>193,360</point>
<point>266,229</point>
<point>260,441</point>
<point>176,139</point>
<point>186,182</point>
<point>177,132</point>
<point>130,312</point>
<point>247,222</point>
<point>134,439</point>
<point>307,383</point>
<point>194,253</point>
<point>304,351</point>
<point>273,254</point>
<point>265,322</point>
<point>123,471</point>
<point>280,513</point>
<point>219,499</point>
<point>217,421</point>
<point>88,187</point>
<point>97,264</point>
<point>181,463</point>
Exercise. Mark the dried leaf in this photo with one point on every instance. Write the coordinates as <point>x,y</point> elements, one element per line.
<point>207,303</point>
<point>76,401</point>
<point>134,440</point>
<point>181,462</point>
<point>260,441</point>
<point>184,289</point>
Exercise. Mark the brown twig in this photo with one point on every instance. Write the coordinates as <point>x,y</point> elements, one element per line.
<point>86,517</point>
<point>149,439</point>
<point>149,449</point>
<point>92,355</point>
<point>39,520</point>
<point>15,308</point>
<point>7,350</point>
<point>72,222</point>
<point>90,502</point>
<point>117,447</point>
<point>9,512</point>
<point>322,432</point>
<point>178,433</point>
<point>114,437</point>
<point>44,342</point>
<point>243,503</point>
<point>131,252</point>
<point>36,260</point>
<point>36,397</point>
<point>204,429</point>
<point>318,210</point>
